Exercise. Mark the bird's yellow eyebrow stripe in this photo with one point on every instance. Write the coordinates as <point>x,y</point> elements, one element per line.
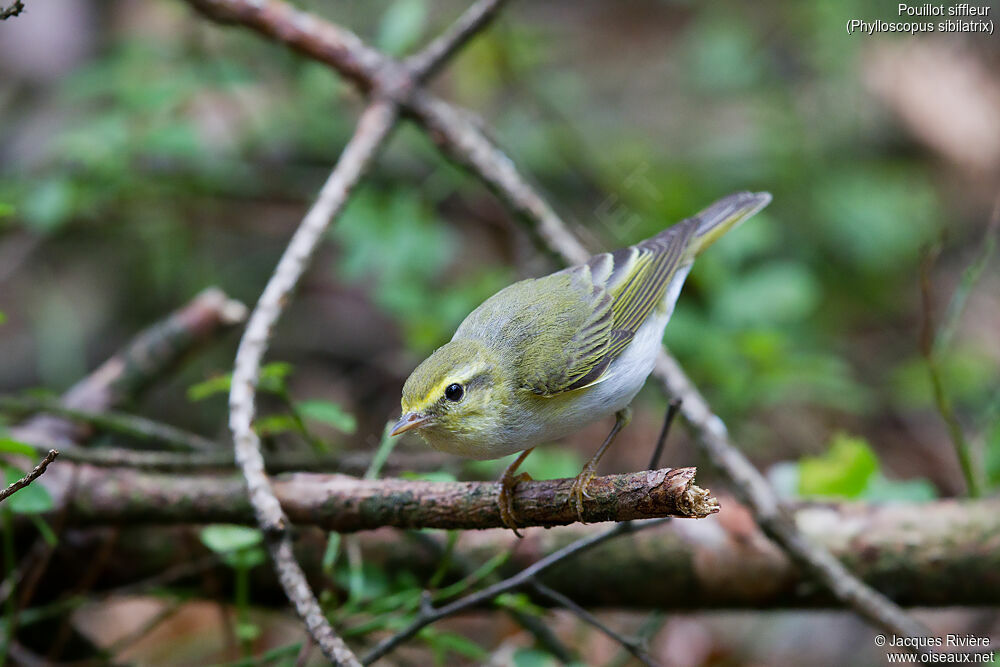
<point>437,391</point>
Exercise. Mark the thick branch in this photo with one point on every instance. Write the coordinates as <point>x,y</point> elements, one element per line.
<point>309,35</point>
<point>343,504</point>
<point>937,554</point>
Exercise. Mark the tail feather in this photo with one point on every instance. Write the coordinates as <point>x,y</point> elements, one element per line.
<point>723,215</point>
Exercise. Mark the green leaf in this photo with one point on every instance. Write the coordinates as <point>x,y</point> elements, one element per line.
<point>225,538</point>
<point>45,530</point>
<point>518,602</point>
<point>331,552</point>
<point>272,379</point>
<point>330,413</point>
<point>843,472</point>
<point>9,446</point>
<point>244,559</point>
<point>32,499</point>
<point>247,631</point>
<point>275,425</point>
<point>429,476</point>
<point>3,317</point>
<point>6,209</point>
<point>210,387</point>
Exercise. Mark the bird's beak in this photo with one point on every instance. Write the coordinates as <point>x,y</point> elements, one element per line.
<point>409,421</point>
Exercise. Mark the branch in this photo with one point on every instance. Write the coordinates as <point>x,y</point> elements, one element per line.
<point>13,10</point>
<point>30,477</point>
<point>425,64</point>
<point>374,127</point>
<point>346,504</point>
<point>938,554</point>
<point>348,463</point>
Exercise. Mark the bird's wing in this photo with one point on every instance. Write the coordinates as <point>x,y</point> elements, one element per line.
<point>561,332</point>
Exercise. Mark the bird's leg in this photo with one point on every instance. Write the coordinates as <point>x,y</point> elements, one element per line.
<point>507,484</point>
<point>579,488</point>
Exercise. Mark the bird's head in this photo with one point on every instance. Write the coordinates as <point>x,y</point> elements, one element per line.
<point>454,398</point>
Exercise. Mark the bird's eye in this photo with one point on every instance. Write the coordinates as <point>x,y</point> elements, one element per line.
<point>454,392</point>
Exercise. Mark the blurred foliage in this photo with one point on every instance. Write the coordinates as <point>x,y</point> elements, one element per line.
<point>848,470</point>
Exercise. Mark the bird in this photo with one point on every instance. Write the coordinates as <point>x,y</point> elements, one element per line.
<point>544,357</point>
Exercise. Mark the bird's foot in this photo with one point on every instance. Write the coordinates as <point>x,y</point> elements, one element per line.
<point>578,491</point>
<point>506,499</point>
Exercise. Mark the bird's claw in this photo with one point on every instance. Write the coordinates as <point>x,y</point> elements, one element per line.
<point>506,499</point>
<point>578,491</point>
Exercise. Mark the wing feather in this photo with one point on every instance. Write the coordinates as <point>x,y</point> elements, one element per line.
<point>566,329</point>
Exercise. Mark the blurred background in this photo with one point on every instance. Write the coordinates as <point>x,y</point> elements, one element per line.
<point>146,154</point>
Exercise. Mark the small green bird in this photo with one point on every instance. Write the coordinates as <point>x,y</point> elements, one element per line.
<point>544,357</point>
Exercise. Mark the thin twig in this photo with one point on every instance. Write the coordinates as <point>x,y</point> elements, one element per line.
<point>374,127</point>
<point>631,645</point>
<point>347,463</point>
<point>35,473</point>
<point>13,10</point>
<point>942,401</point>
<point>132,426</point>
<point>970,277</point>
<point>424,64</point>
<point>673,407</point>
<point>522,578</point>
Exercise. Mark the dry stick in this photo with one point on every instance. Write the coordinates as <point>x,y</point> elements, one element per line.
<point>427,62</point>
<point>13,10</point>
<point>430,615</point>
<point>36,472</point>
<point>373,129</point>
<point>461,139</point>
<point>672,409</point>
<point>347,504</point>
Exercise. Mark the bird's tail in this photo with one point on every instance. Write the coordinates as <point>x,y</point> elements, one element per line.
<point>722,216</point>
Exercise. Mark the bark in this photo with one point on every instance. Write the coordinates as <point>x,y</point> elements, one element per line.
<point>344,504</point>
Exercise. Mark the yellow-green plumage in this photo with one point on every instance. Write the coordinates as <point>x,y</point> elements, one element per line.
<point>544,357</point>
